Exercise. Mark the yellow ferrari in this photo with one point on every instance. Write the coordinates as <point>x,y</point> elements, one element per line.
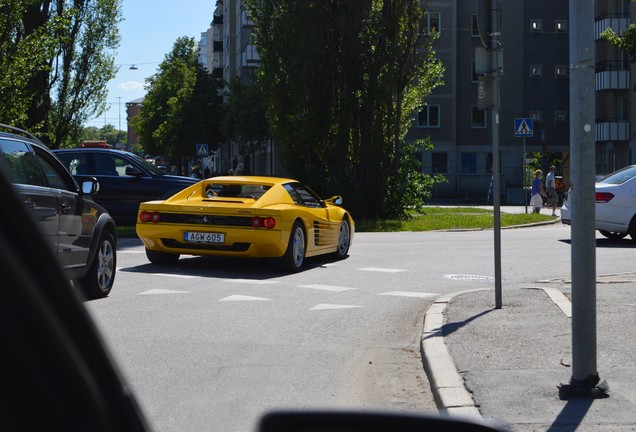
<point>245,216</point>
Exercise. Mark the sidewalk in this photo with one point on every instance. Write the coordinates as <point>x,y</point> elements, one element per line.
<point>506,363</point>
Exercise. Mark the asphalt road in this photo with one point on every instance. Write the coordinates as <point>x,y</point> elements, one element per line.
<point>212,344</point>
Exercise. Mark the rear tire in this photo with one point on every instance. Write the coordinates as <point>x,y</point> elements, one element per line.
<point>632,229</point>
<point>613,235</point>
<point>344,239</point>
<point>101,275</point>
<point>294,256</point>
<point>161,258</point>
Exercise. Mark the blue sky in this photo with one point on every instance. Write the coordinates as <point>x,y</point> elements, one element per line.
<point>148,32</point>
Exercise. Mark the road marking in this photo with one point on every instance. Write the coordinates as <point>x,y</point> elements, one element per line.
<point>178,276</point>
<point>326,287</point>
<point>409,294</point>
<point>325,306</point>
<point>467,277</point>
<point>382,270</point>
<point>157,291</point>
<point>244,298</point>
<point>252,281</point>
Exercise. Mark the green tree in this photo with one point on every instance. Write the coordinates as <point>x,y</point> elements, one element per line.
<point>625,41</point>
<point>56,60</point>
<point>182,107</point>
<point>343,80</point>
<point>244,118</point>
<point>108,132</point>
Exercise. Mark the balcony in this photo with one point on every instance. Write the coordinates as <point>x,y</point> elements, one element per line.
<point>250,56</point>
<point>245,21</point>
<point>618,23</point>
<point>612,75</point>
<point>612,130</point>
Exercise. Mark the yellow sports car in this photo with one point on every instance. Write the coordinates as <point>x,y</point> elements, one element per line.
<point>245,216</point>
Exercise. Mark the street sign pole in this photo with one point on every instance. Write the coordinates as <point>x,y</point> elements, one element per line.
<point>523,176</point>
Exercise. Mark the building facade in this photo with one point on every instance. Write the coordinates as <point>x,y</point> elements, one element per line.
<point>534,84</point>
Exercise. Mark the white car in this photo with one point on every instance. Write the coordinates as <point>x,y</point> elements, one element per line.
<point>615,204</point>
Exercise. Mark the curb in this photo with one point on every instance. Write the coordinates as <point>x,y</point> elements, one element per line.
<point>446,382</point>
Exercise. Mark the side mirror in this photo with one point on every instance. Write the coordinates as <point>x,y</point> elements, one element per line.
<point>335,200</point>
<point>90,186</point>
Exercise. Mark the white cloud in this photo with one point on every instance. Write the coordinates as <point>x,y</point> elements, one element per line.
<point>131,85</point>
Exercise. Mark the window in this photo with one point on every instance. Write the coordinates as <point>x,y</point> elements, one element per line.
<point>429,117</point>
<point>53,178</point>
<point>23,168</point>
<point>536,116</point>
<point>536,71</point>
<point>561,26</point>
<point>469,163</point>
<point>303,195</point>
<point>560,71</point>
<point>536,25</point>
<point>478,118</point>
<point>560,117</point>
<point>474,28</point>
<point>433,20</point>
<point>439,163</point>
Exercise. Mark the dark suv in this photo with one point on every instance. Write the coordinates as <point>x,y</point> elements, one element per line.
<point>82,233</point>
<point>125,179</point>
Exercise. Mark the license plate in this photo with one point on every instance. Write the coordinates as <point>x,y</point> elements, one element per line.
<point>203,237</point>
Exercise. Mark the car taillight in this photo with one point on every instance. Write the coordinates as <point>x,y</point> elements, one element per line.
<point>258,222</point>
<point>146,216</point>
<point>603,197</point>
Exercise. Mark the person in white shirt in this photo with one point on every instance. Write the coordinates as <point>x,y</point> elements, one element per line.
<point>550,188</point>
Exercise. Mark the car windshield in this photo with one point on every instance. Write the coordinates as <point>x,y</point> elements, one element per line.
<point>150,167</point>
<point>235,190</point>
<point>620,176</point>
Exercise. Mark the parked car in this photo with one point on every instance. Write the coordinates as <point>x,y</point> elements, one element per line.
<point>81,232</point>
<point>615,196</point>
<point>125,179</point>
<point>245,216</point>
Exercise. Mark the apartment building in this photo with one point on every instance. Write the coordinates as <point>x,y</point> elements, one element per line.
<point>535,84</point>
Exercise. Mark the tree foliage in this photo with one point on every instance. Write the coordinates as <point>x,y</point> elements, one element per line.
<point>244,118</point>
<point>108,132</point>
<point>182,106</point>
<point>342,80</point>
<point>56,58</point>
<point>625,41</point>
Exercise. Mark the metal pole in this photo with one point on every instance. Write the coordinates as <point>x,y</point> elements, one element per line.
<point>585,381</point>
<point>523,175</point>
<point>494,52</point>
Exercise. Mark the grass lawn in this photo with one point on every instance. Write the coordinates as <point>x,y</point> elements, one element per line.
<point>434,218</point>
<point>450,218</point>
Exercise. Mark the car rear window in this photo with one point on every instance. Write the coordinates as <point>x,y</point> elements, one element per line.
<point>234,190</point>
<point>620,176</point>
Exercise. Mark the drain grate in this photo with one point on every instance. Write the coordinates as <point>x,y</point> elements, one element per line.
<point>467,277</point>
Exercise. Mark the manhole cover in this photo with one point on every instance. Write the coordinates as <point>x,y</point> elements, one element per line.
<point>466,277</point>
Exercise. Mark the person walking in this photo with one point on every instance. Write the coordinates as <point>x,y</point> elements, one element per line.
<point>550,188</point>
<point>537,193</point>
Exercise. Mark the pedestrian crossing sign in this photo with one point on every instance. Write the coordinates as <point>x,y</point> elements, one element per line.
<point>523,127</point>
<point>202,150</point>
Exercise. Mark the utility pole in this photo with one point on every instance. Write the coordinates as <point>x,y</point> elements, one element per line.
<point>585,381</point>
<point>489,65</point>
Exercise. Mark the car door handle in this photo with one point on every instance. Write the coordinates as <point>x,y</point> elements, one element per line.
<point>65,208</point>
<point>30,205</point>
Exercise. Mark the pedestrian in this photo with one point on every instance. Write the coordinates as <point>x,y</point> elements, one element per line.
<point>537,193</point>
<point>196,171</point>
<point>550,188</point>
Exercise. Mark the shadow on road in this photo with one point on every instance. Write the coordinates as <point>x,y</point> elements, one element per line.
<point>571,416</point>
<point>226,268</point>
